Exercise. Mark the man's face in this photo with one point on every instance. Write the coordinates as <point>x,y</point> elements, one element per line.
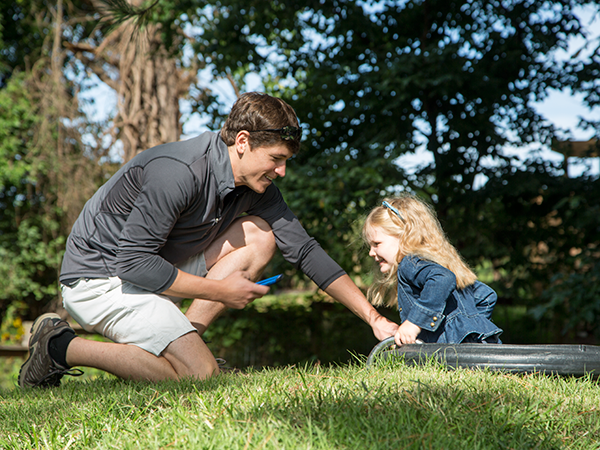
<point>258,167</point>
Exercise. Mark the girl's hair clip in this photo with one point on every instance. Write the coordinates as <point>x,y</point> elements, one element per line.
<point>394,210</point>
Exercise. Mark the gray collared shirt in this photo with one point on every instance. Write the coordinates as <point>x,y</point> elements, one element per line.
<point>168,204</point>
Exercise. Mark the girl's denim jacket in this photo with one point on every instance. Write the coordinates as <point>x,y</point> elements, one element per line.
<point>429,298</point>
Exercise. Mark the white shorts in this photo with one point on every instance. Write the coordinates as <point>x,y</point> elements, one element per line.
<point>127,314</point>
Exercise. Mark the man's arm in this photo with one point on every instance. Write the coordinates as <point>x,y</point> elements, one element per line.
<point>349,295</point>
<point>304,253</point>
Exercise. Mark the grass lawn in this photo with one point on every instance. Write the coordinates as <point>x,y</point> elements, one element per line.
<point>309,407</point>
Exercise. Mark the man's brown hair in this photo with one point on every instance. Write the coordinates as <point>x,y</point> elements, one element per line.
<point>257,111</point>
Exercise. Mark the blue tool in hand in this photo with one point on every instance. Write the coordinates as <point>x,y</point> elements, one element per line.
<point>270,281</point>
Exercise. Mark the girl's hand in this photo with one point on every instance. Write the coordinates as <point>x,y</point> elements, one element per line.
<point>407,333</point>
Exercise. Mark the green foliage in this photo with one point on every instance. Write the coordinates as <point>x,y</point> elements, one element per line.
<point>11,329</point>
<point>573,299</point>
<point>374,81</point>
<point>30,243</point>
<point>259,335</point>
<point>20,36</point>
<point>539,229</point>
<point>26,28</point>
<point>46,171</point>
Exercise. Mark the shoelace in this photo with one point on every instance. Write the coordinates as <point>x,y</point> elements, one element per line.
<point>60,373</point>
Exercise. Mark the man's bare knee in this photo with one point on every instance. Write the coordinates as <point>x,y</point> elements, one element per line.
<point>250,237</point>
<point>259,233</point>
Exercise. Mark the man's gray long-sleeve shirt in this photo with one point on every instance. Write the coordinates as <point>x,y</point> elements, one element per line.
<point>168,204</point>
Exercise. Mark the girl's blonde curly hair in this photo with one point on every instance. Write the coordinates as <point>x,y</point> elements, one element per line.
<point>420,234</point>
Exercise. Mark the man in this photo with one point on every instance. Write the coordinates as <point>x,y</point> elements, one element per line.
<point>194,219</point>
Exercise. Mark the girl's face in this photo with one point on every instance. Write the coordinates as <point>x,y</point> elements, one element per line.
<point>383,248</point>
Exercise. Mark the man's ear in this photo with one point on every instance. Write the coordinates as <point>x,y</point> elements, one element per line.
<point>242,142</point>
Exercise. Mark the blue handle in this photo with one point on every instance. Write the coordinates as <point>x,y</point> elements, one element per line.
<point>270,281</point>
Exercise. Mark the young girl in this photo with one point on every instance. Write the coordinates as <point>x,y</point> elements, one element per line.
<point>439,297</point>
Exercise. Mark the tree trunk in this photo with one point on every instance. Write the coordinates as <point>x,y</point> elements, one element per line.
<point>148,94</point>
<point>148,81</point>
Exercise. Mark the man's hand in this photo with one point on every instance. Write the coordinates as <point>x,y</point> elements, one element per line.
<point>234,291</point>
<point>407,333</point>
<point>349,295</point>
<point>383,328</point>
<point>237,291</point>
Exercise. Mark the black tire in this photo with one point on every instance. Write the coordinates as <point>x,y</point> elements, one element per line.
<point>568,360</point>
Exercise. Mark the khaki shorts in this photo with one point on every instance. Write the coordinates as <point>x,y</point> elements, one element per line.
<point>127,314</point>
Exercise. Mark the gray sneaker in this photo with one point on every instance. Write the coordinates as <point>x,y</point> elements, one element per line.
<point>40,370</point>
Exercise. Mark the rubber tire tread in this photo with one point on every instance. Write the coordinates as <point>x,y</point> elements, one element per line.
<point>560,359</point>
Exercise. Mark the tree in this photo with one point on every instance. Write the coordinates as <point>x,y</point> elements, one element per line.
<point>41,191</point>
<point>46,172</point>
<point>375,80</point>
<point>144,69</point>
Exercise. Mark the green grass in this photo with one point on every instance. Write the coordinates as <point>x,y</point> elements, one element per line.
<point>310,407</point>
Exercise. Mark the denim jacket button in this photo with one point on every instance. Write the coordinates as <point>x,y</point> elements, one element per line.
<point>434,318</point>
<point>432,324</point>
